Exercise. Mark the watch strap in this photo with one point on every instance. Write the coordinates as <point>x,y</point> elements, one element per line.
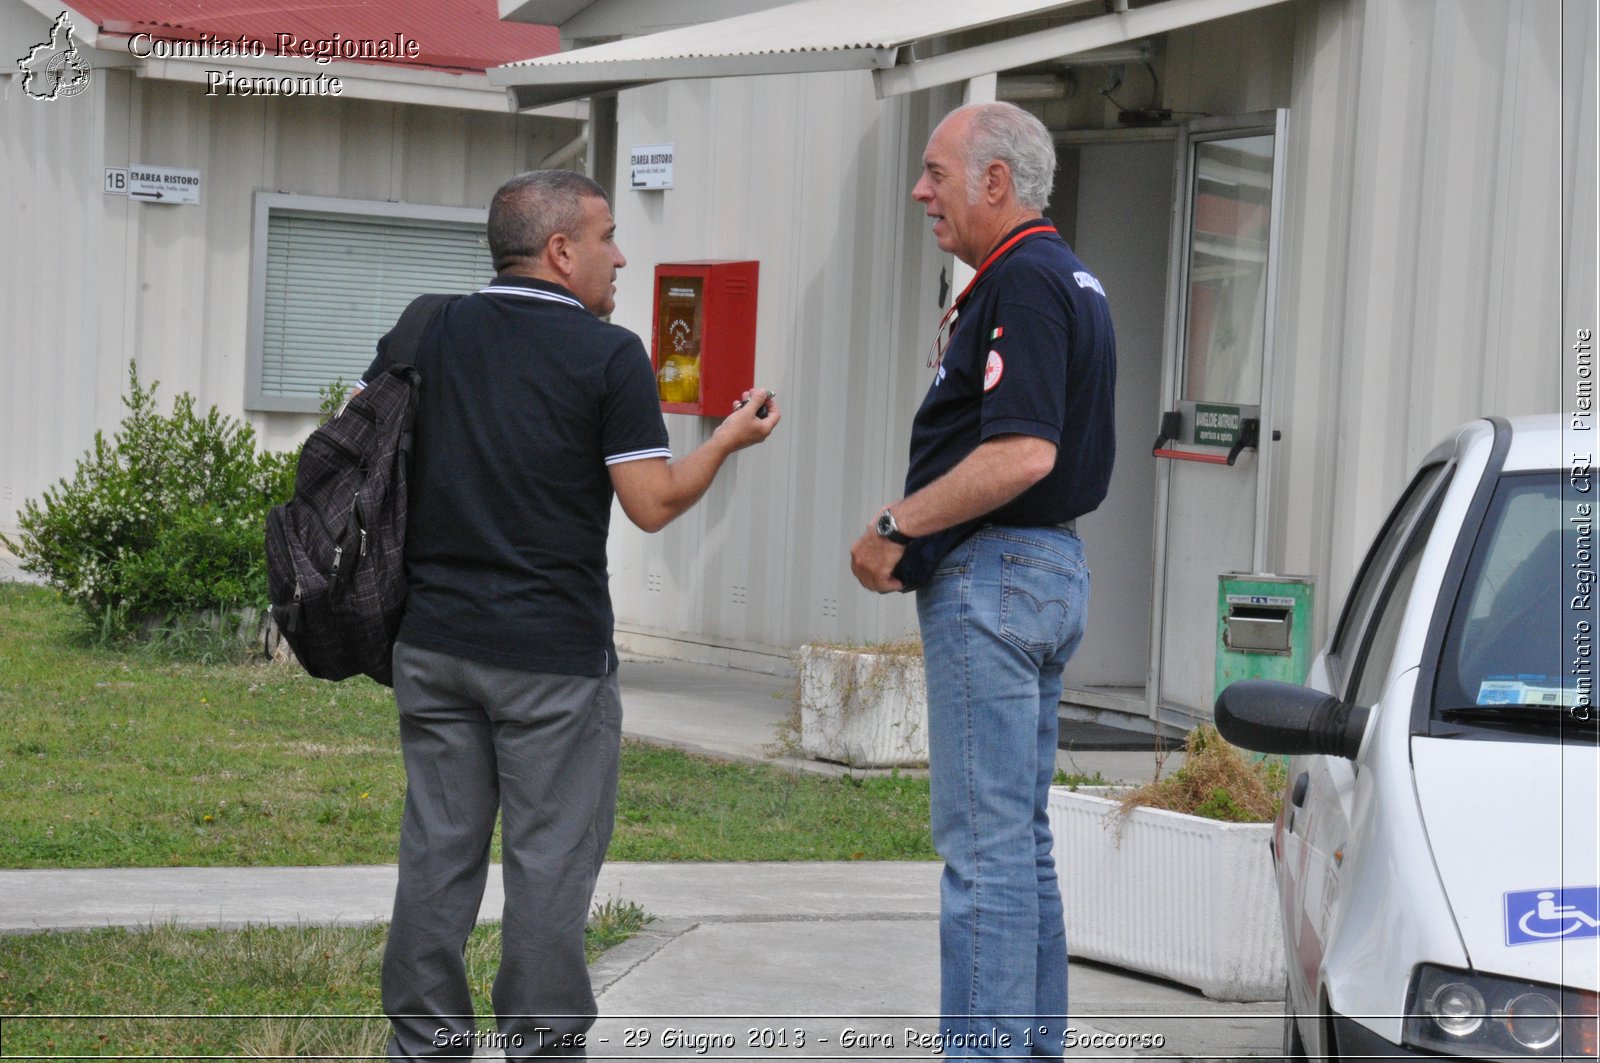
<point>890,530</point>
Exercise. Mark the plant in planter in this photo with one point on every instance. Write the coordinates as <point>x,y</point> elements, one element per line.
<point>1174,878</point>
<point>1217,781</point>
<point>863,706</point>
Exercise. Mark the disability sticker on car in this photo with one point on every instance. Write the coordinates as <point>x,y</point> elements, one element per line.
<point>1552,914</point>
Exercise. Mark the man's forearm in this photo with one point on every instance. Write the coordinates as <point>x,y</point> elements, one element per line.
<point>999,470</point>
<point>654,491</point>
<point>691,475</point>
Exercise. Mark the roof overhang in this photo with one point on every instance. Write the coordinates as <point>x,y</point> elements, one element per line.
<point>835,35</point>
<point>583,22</point>
<point>806,36</point>
<point>544,12</point>
<point>1062,41</point>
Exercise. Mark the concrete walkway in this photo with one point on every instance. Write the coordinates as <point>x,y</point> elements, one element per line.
<point>798,952</point>
<point>750,961</point>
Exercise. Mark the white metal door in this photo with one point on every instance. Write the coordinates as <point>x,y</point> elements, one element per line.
<point>1113,209</point>
<point>1214,443</point>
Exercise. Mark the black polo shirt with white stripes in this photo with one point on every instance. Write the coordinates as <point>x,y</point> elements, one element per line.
<point>526,398</point>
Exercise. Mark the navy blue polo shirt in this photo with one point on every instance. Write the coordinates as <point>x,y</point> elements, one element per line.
<point>1032,353</point>
<point>526,400</point>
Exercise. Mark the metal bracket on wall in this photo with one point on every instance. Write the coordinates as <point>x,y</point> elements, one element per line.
<point>1249,436</point>
<point>1171,429</point>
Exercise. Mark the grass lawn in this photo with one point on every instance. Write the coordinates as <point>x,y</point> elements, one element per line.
<point>171,993</point>
<point>110,758</point>
<point>116,759</point>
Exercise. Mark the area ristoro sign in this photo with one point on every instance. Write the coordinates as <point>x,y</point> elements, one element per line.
<point>162,185</point>
<point>650,167</point>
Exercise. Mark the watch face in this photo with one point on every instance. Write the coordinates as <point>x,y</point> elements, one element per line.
<point>885,523</point>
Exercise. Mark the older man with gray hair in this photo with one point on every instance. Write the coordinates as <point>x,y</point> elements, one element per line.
<point>1012,444</point>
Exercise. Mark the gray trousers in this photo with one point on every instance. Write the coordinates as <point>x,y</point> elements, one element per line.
<point>542,750</point>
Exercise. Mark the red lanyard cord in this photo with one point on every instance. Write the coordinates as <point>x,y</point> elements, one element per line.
<point>955,307</point>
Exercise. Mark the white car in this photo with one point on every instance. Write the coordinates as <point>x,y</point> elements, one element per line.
<point>1436,854</point>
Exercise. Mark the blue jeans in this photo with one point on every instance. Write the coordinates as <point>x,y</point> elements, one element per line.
<point>1000,618</point>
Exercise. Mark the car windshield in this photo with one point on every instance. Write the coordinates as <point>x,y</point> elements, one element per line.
<point>1518,651</point>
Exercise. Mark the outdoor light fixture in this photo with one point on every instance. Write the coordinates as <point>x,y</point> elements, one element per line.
<point>1035,86</point>
<point>1142,52</point>
<point>1059,82</point>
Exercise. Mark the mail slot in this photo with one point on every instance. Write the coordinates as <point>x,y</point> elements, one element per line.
<point>1263,627</point>
<point>1259,628</point>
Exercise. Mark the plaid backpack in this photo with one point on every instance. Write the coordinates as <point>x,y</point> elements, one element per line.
<point>336,572</point>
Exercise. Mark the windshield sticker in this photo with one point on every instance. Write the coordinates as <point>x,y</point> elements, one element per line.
<point>1552,914</point>
<point>1500,692</point>
<point>1534,690</point>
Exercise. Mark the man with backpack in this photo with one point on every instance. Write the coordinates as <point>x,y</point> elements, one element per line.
<point>534,412</point>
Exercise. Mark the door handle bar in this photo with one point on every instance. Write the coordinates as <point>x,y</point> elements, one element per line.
<point>1172,427</point>
<point>1184,455</point>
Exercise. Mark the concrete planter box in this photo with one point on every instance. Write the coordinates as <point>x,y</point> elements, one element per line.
<point>1177,896</point>
<point>867,710</point>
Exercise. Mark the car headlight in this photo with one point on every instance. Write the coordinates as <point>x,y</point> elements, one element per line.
<point>1464,1013</point>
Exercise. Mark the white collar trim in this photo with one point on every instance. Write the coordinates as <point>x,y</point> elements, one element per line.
<point>530,293</point>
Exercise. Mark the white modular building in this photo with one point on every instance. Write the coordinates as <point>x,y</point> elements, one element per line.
<point>1329,230</point>
<point>1354,223</point>
<point>220,193</point>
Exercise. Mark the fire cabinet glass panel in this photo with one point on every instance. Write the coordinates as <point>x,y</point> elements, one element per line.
<point>681,301</point>
<point>1230,212</point>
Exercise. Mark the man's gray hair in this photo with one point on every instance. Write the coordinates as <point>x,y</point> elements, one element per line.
<point>531,208</point>
<point>1007,133</point>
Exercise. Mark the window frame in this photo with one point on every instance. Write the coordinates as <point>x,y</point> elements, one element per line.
<point>1351,645</point>
<point>257,398</point>
<point>1506,486</point>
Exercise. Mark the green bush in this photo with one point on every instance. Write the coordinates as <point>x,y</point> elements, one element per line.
<point>163,521</point>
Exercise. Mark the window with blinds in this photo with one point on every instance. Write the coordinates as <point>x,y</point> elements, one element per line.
<point>331,283</point>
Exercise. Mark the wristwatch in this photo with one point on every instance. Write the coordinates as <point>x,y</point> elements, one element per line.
<point>889,529</point>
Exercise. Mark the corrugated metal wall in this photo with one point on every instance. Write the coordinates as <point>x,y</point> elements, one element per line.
<point>811,176</point>
<point>1424,261</point>
<point>92,280</point>
<point>58,245</point>
<point>1431,234</point>
<point>1425,253</point>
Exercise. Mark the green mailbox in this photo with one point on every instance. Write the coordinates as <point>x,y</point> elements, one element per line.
<point>1263,627</point>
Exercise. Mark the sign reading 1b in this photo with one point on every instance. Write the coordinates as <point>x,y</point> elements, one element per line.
<point>161,185</point>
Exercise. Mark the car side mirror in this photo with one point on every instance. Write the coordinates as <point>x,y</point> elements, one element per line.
<point>1272,717</point>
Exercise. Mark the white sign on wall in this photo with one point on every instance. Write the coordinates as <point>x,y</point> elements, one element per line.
<point>650,166</point>
<point>154,184</point>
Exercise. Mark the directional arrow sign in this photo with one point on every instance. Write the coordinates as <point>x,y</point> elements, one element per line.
<point>163,184</point>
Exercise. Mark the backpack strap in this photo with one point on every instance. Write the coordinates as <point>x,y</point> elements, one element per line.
<point>401,358</point>
<point>408,331</point>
